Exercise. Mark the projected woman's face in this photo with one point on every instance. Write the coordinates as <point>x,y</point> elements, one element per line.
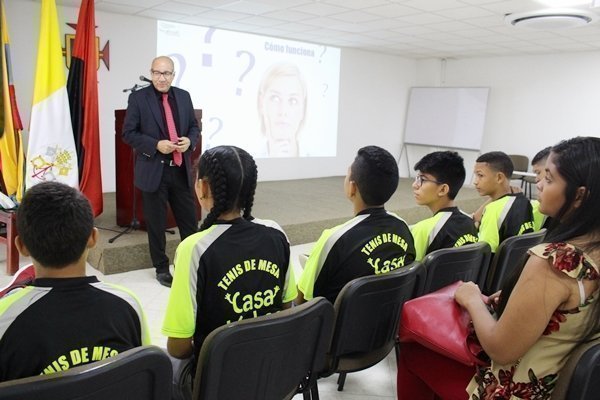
<point>283,108</point>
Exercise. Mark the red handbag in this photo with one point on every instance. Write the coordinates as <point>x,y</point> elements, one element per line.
<point>437,322</point>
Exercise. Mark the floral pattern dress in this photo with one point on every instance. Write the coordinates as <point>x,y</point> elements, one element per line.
<point>533,377</point>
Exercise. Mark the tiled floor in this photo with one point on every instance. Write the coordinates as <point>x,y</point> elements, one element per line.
<point>377,382</point>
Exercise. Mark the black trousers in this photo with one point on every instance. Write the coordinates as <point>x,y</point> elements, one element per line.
<point>175,191</point>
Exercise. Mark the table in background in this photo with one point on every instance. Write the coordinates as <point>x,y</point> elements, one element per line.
<point>9,218</point>
<point>525,182</point>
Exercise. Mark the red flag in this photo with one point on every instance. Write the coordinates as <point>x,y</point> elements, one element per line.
<point>82,86</point>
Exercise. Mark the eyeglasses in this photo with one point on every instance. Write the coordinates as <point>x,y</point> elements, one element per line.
<point>419,179</point>
<point>158,74</point>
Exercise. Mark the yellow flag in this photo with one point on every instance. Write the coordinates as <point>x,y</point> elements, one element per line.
<point>51,154</point>
<point>11,145</point>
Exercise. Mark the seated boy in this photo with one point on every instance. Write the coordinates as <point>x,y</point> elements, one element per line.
<point>508,214</point>
<point>375,241</point>
<point>538,165</point>
<point>440,175</point>
<point>64,318</point>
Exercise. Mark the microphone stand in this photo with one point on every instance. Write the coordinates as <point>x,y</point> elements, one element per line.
<point>134,225</point>
<point>134,88</point>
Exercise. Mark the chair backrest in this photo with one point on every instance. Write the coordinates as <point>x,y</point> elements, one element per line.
<point>578,379</point>
<point>140,373</point>
<point>367,316</point>
<point>520,162</point>
<point>508,256</point>
<point>466,263</point>
<point>23,277</point>
<point>266,357</point>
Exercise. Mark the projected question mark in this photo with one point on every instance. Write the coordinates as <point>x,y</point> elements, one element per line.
<point>323,52</point>
<point>214,133</point>
<point>238,91</point>
<point>180,65</point>
<point>207,58</point>
<point>325,87</point>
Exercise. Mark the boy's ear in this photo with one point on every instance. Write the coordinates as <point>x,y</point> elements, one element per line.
<point>500,177</point>
<point>352,189</point>
<point>443,190</point>
<point>93,239</point>
<point>21,247</point>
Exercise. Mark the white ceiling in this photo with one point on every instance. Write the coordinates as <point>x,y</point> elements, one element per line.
<point>409,28</point>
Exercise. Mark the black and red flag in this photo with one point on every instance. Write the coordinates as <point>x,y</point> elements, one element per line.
<point>82,86</point>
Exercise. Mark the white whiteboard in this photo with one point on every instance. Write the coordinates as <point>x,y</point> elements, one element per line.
<point>446,117</point>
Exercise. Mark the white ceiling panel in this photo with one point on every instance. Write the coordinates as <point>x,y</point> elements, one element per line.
<point>411,28</point>
<point>433,5</point>
<point>320,9</point>
<point>180,8</point>
<point>250,7</point>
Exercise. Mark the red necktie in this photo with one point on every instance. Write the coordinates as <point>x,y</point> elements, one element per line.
<point>171,127</point>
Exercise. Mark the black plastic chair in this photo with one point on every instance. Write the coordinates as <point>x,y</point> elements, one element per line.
<point>578,379</point>
<point>269,357</point>
<point>466,263</point>
<point>508,256</point>
<point>366,324</point>
<point>140,373</point>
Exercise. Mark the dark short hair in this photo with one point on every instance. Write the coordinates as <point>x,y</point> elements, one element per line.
<point>375,173</point>
<point>54,222</point>
<point>541,155</point>
<point>446,167</point>
<point>498,161</point>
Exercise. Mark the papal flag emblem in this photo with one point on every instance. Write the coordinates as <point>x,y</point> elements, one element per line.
<point>51,154</point>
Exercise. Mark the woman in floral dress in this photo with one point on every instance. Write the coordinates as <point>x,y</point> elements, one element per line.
<point>549,307</point>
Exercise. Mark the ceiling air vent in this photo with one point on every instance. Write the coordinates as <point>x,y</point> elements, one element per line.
<point>551,19</point>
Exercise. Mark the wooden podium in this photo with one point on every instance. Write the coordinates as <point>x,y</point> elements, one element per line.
<point>126,192</point>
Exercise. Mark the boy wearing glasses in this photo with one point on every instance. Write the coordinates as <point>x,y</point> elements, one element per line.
<point>161,127</point>
<point>374,242</point>
<point>508,214</point>
<point>440,175</point>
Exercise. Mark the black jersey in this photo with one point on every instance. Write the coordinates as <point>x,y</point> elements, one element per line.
<point>449,227</point>
<point>508,216</point>
<point>373,242</point>
<point>231,271</point>
<point>60,323</point>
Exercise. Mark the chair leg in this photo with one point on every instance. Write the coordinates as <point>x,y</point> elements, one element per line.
<point>314,392</point>
<point>341,380</point>
<point>530,187</point>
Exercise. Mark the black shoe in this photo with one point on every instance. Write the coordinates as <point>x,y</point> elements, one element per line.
<point>164,278</point>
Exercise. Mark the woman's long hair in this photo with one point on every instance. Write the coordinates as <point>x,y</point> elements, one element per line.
<point>577,161</point>
<point>231,174</point>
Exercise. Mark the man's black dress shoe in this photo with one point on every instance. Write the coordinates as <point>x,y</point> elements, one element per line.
<point>164,278</point>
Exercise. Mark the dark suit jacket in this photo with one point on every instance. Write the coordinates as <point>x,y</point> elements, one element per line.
<point>142,130</point>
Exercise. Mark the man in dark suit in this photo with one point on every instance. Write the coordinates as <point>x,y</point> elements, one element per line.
<point>161,127</point>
